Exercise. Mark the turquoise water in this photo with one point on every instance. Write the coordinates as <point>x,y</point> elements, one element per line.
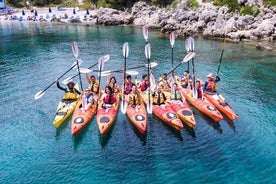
<point>34,151</point>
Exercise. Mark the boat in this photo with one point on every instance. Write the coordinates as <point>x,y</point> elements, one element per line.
<point>221,104</point>
<point>203,105</point>
<point>106,117</point>
<point>64,109</point>
<point>138,116</point>
<point>80,118</point>
<point>184,112</point>
<point>165,113</point>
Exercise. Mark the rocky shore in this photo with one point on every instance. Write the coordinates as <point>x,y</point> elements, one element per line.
<point>208,20</point>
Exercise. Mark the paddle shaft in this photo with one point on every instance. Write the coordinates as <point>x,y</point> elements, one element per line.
<point>58,78</point>
<point>221,55</point>
<point>79,74</point>
<point>88,68</point>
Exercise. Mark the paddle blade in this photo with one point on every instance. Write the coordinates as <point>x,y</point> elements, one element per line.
<point>153,64</point>
<point>75,49</point>
<point>65,81</point>
<point>132,72</point>
<point>101,63</point>
<point>192,43</point>
<point>194,93</point>
<point>187,45</point>
<point>147,51</point>
<point>172,39</point>
<point>39,94</point>
<point>188,57</point>
<point>149,107</point>
<point>145,33</point>
<point>106,58</point>
<point>125,50</point>
<point>85,70</point>
<point>74,65</point>
<point>123,106</point>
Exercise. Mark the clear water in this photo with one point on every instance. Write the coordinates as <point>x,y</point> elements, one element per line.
<point>34,151</point>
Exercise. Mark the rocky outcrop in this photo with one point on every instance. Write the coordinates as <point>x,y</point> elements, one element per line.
<point>208,20</point>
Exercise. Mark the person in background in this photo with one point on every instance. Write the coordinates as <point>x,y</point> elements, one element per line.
<point>164,83</point>
<point>144,85</point>
<point>159,97</point>
<point>92,83</point>
<point>198,89</point>
<point>128,85</point>
<point>210,84</point>
<point>186,79</point>
<point>112,82</point>
<point>71,93</point>
<point>108,98</point>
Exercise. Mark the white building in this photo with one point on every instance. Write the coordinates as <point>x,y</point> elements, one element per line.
<point>2,4</point>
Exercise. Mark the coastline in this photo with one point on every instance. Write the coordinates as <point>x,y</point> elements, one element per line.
<point>208,21</point>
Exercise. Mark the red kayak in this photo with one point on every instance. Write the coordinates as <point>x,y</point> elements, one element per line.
<point>138,116</point>
<point>203,105</point>
<point>107,116</point>
<point>220,103</point>
<point>80,119</point>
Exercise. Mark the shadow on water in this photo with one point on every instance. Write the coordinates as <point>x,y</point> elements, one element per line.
<point>176,133</point>
<point>106,137</point>
<point>62,127</point>
<point>189,130</point>
<point>229,122</point>
<point>77,139</point>
<point>210,122</point>
<point>141,136</point>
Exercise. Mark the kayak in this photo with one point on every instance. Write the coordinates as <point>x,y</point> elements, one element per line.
<point>165,113</point>
<point>80,119</point>
<point>106,116</point>
<point>203,105</point>
<point>221,104</point>
<point>138,116</point>
<point>64,109</point>
<point>182,109</point>
<point>184,112</point>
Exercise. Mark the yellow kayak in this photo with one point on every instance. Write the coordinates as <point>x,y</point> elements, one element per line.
<point>64,110</point>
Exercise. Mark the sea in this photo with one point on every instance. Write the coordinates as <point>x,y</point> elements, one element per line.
<point>32,150</point>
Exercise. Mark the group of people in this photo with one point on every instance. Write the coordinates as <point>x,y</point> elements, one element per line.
<point>131,90</point>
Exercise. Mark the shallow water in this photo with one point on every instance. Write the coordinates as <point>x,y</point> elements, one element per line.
<point>34,151</point>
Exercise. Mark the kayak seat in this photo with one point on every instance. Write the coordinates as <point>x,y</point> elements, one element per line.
<point>104,119</point>
<point>186,113</point>
<point>61,113</point>
<point>223,104</point>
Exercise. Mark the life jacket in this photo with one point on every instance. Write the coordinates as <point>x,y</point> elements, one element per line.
<point>184,81</point>
<point>109,98</point>
<point>199,92</point>
<point>211,86</point>
<point>94,87</point>
<point>133,99</point>
<point>70,95</point>
<point>144,85</point>
<point>165,84</point>
<point>128,88</point>
<point>175,95</point>
<point>162,98</point>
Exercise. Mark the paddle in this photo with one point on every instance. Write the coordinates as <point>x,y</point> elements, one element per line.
<point>222,50</point>
<point>172,40</point>
<point>75,50</point>
<point>147,54</point>
<point>146,33</point>
<point>125,54</point>
<point>42,92</point>
<point>187,58</point>
<point>191,48</point>
<point>188,45</point>
<point>65,81</point>
<point>129,72</point>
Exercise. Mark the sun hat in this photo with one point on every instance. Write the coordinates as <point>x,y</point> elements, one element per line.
<point>210,75</point>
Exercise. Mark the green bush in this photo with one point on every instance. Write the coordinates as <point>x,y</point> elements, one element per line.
<point>269,2</point>
<point>193,4</point>
<point>250,10</point>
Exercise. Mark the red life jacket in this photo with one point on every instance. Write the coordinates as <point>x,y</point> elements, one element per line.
<point>144,85</point>
<point>211,86</point>
<point>109,99</point>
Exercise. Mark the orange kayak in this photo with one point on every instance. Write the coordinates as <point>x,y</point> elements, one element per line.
<point>106,117</point>
<point>220,103</point>
<point>165,113</point>
<point>184,112</point>
<point>203,105</point>
<point>80,118</point>
<point>138,116</point>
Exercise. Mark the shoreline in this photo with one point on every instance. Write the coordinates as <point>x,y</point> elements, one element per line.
<point>205,22</point>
